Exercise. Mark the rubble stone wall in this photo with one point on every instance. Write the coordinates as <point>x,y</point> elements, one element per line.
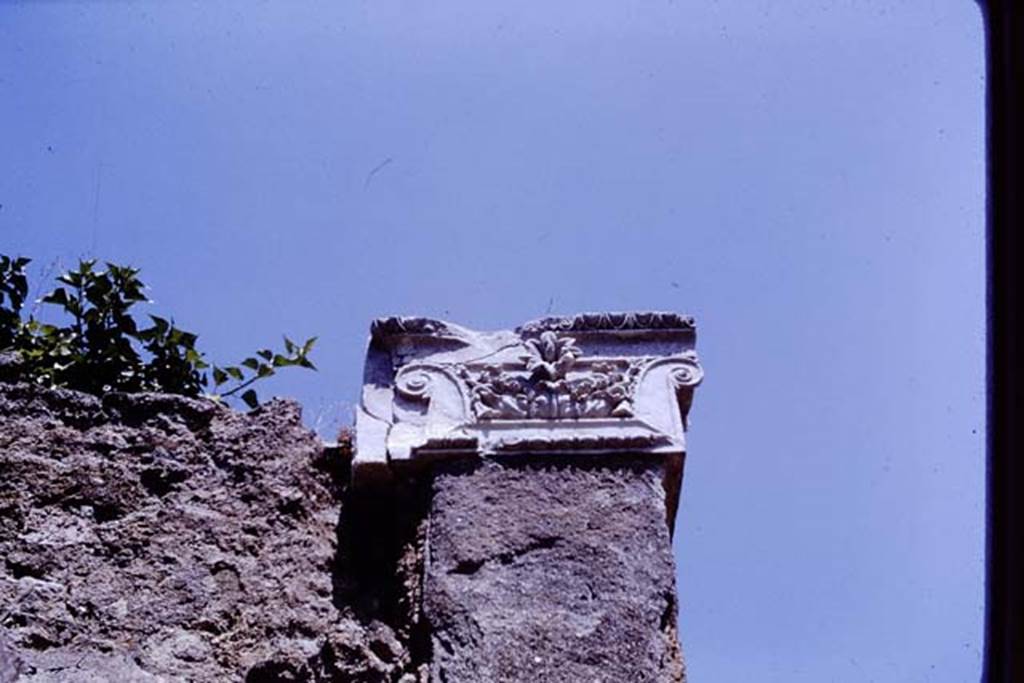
<point>157,538</point>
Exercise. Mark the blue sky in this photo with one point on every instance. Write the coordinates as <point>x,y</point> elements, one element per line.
<point>806,178</point>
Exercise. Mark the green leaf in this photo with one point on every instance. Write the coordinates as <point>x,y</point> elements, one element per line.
<point>104,348</point>
<point>250,399</point>
<point>58,296</point>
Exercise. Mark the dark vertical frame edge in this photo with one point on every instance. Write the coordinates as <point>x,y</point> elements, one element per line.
<point>1004,613</point>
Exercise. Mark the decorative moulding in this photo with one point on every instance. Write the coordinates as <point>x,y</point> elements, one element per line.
<point>594,383</point>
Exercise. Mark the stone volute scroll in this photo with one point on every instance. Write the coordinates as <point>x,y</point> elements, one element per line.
<point>589,384</point>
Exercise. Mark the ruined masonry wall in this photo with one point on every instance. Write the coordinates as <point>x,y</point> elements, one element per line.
<point>156,538</point>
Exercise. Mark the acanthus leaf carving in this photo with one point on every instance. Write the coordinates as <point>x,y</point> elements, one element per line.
<point>587,384</point>
<point>550,356</point>
<point>546,387</point>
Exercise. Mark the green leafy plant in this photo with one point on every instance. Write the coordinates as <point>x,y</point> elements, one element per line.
<point>102,347</point>
<point>13,290</point>
<point>263,364</point>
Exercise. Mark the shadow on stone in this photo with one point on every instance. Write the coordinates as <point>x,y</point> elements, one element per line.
<point>378,571</point>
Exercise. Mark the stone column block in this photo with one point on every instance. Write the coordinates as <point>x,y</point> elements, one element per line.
<point>554,456</point>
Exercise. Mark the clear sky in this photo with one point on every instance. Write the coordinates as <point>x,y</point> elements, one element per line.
<point>806,178</point>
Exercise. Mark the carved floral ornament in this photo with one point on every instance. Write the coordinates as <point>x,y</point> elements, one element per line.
<point>550,382</point>
<point>584,384</point>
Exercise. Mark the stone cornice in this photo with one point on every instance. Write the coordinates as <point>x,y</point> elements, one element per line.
<point>398,325</point>
<point>600,383</point>
<point>629,322</point>
<point>610,322</point>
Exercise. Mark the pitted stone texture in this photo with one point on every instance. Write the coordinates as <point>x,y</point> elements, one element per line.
<point>157,538</point>
<point>554,570</point>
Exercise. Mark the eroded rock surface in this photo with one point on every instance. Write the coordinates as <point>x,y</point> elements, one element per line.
<point>555,569</point>
<point>157,538</point>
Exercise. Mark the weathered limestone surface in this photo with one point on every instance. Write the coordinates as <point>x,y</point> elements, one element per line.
<point>551,571</point>
<point>157,538</point>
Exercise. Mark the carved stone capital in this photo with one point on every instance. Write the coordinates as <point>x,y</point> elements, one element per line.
<point>594,383</point>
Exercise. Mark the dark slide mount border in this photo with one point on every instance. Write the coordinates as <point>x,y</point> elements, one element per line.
<point>1004,636</point>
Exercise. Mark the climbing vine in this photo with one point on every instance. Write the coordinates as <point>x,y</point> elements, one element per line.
<point>100,346</point>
